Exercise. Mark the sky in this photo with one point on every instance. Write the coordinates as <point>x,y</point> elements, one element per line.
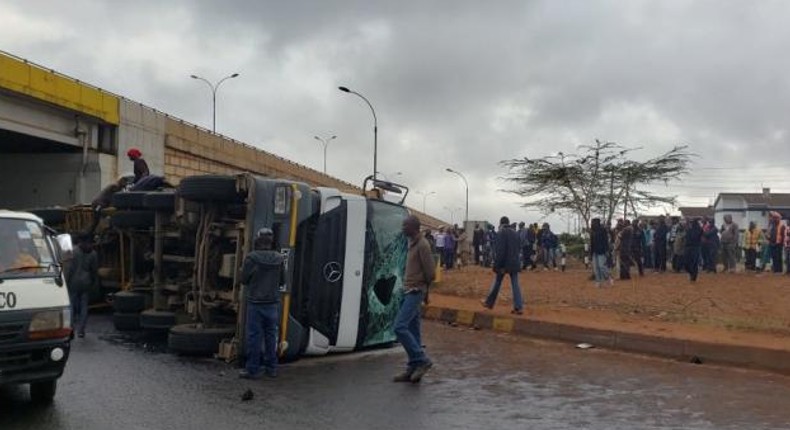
<point>458,84</point>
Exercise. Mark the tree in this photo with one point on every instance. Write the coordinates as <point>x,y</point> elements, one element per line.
<point>595,181</point>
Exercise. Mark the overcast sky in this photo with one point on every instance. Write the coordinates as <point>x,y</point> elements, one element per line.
<point>460,84</point>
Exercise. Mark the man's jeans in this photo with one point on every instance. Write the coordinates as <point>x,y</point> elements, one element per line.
<point>518,302</point>
<point>79,309</point>
<point>407,328</point>
<point>261,327</point>
<point>599,268</point>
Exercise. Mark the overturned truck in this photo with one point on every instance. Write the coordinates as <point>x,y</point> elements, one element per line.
<point>181,254</point>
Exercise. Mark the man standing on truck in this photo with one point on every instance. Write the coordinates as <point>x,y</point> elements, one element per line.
<point>420,273</point>
<point>261,274</point>
<point>82,279</point>
<point>140,166</point>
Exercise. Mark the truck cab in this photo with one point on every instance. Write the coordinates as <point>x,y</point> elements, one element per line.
<point>35,314</point>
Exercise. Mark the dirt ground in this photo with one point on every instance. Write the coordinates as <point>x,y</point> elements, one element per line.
<point>745,304</point>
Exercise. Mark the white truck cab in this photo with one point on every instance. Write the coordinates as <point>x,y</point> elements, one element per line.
<point>35,313</point>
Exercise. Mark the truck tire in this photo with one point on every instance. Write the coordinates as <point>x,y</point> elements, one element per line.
<point>126,321</point>
<point>50,216</point>
<point>128,302</point>
<point>196,339</point>
<point>160,201</point>
<point>128,200</point>
<point>132,219</point>
<point>43,392</point>
<point>210,188</point>
<point>152,319</point>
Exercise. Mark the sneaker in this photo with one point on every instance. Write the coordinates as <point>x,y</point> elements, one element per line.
<point>517,312</point>
<point>420,371</point>
<point>244,374</point>
<point>486,305</point>
<point>404,376</point>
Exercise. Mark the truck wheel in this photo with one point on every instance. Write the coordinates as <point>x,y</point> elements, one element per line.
<point>128,302</point>
<point>160,200</point>
<point>43,392</point>
<point>152,319</point>
<point>50,216</point>
<point>208,188</point>
<point>132,219</point>
<point>128,200</point>
<point>197,339</point>
<point>126,321</point>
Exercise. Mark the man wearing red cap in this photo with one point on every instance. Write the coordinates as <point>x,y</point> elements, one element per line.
<point>140,166</point>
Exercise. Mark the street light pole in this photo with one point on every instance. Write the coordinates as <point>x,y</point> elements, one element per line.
<point>326,143</point>
<point>375,129</point>
<point>467,190</point>
<point>424,197</point>
<point>214,88</point>
<point>452,213</point>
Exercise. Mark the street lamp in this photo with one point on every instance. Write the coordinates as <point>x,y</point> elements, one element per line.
<point>424,197</point>
<point>326,143</point>
<point>214,88</point>
<point>375,128</point>
<point>467,190</point>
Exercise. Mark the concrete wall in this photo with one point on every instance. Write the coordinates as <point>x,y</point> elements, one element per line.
<point>38,180</point>
<point>143,128</point>
<point>23,115</point>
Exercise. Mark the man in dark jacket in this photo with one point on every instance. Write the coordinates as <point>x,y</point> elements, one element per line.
<point>660,243</point>
<point>82,279</point>
<point>693,248</point>
<point>506,261</point>
<point>625,239</point>
<point>262,275</point>
<point>478,239</point>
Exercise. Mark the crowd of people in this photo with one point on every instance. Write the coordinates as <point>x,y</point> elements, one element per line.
<point>690,245</point>
<point>538,245</point>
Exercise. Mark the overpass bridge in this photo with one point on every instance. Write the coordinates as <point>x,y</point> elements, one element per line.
<point>63,140</point>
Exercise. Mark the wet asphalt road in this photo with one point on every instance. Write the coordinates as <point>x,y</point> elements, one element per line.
<point>481,380</point>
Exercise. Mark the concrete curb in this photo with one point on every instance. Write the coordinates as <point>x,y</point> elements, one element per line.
<point>680,349</point>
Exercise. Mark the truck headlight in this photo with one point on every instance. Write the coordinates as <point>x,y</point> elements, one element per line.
<point>50,324</point>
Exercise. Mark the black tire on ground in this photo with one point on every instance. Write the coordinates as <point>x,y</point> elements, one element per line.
<point>196,339</point>
<point>160,200</point>
<point>128,200</point>
<point>152,319</point>
<point>43,392</point>
<point>128,302</point>
<point>50,216</point>
<point>126,321</point>
<point>132,219</point>
<point>217,188</point>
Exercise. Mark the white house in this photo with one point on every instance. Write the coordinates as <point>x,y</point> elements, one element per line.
<point>748,207</point>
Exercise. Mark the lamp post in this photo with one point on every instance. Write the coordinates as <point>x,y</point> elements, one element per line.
<point>375,128</point>
<point>326,143</point>
<point>214,88</point>
<point>466,218</point>
<point>424,197</point>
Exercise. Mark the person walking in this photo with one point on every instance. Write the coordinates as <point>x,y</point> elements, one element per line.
<point>440,241</point>
<point>450,244</point>
<point>729,243</point>
<point>710,245</point>
<point>599,248</point>
<point>420,273</point>
<point>262,274</point>
<point>638,248</point>
<point>549,244</point>
<point>679,247</point>
<point>693,245</point>
<point>506,262</point>
<point>82,279</point>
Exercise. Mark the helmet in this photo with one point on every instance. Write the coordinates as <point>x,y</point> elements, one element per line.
<point>134,152</point>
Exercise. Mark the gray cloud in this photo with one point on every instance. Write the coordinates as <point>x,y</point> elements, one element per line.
<point>455,83</point>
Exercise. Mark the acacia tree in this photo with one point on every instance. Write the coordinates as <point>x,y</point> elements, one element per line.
<point>597,180</point>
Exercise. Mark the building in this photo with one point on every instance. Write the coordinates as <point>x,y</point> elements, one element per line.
<point>696,212</point>
<point>751,207</point>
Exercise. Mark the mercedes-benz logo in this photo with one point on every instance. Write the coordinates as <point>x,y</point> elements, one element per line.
<point>333,271</point>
